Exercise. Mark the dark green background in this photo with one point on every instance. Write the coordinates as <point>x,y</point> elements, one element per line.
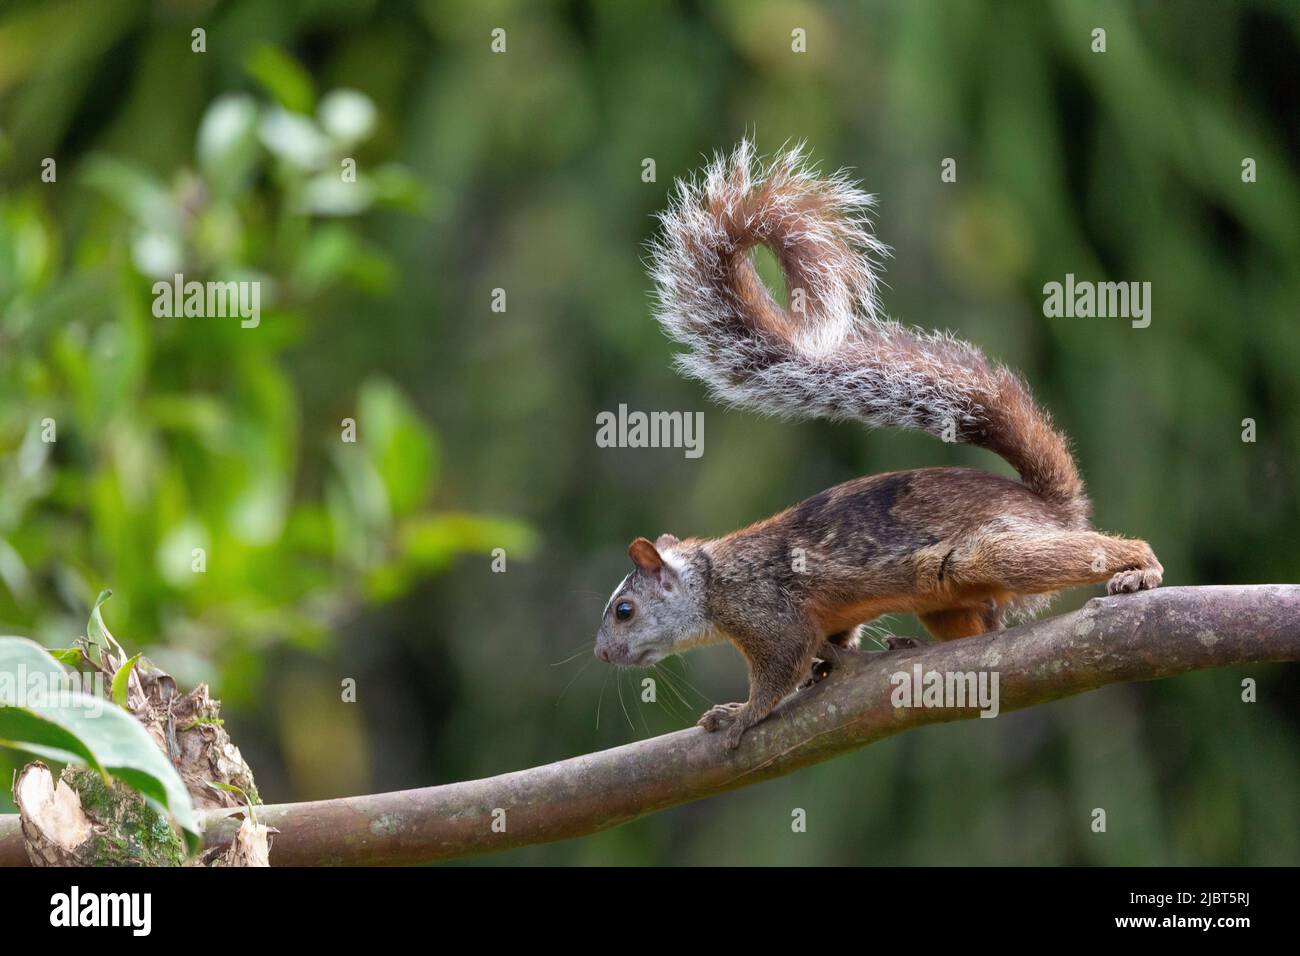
<point>522,171</point>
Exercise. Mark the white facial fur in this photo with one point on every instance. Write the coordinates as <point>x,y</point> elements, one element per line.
<point>668,614</point>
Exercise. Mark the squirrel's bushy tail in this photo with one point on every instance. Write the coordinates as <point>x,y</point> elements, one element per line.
<point>831,353</point>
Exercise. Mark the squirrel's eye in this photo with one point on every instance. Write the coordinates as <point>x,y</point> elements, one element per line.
<point>623,610</point>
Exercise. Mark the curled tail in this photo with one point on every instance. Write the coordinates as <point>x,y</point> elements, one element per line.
<point>831,353</point>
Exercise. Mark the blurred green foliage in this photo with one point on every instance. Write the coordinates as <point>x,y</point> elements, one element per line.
<point>522,171</point>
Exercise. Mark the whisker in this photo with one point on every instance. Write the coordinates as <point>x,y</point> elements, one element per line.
<point>619,686</point>
<point>601,698</point>
<point>638,709</point>
<point>872,631</point>
<point>671,679</point>
<point>666,703</point>
<point>690,686</point>
<point>582,670</point>
<point>583,650</point>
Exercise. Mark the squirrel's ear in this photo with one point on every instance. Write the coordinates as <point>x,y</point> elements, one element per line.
<point>666,540</point>
<point>644,556</point>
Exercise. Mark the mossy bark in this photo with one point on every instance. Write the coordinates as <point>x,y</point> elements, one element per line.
<point>84,820</point>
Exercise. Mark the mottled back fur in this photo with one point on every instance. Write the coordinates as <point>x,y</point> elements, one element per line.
<point>963,549</point>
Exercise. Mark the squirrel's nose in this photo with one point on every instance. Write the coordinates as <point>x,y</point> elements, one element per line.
<point>602,653</point>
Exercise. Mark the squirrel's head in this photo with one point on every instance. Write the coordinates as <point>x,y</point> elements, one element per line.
<point>658,609</point>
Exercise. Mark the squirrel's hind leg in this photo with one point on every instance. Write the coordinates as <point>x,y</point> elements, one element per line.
<point>848,639</point>
<point>1042,562</point>
<point>950,624</point>
<point>1028,563</point>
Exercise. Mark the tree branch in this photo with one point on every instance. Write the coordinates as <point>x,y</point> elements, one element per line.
<point>1144,636</point>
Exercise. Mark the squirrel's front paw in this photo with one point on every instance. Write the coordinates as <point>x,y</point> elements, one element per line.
<point>720,716</point>
<point>1138,579</point>
<point>728,718</point>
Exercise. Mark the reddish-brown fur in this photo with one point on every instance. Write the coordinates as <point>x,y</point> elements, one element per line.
<point>962,549</point>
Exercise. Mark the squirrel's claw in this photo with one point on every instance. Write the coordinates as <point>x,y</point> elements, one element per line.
<point>728,718</point>
<point>1138,579</point>
<point>895,643</point>
<point>719,716</point>
<point>733,735</point>
<point>821,669</point>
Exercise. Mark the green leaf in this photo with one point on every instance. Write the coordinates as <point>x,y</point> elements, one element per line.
<point>428,543</point>
<point>431,540</point>
<point>22,729</point>
<point>49,715</point>
<point>325,257</point>
<point>21,658</point>
<point>122,681</point>
<point>96,630</point>
<point>396,187</point>
<point>398,443</point>
<point>136,190</point>
<point>231,788</point>
<point>283,77</point>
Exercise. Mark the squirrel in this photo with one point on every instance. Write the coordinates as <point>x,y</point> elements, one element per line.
<point>963,549</point>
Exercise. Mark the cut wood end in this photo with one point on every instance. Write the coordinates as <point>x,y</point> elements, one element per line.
<point>51,808</point>
<point>251,845</point>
